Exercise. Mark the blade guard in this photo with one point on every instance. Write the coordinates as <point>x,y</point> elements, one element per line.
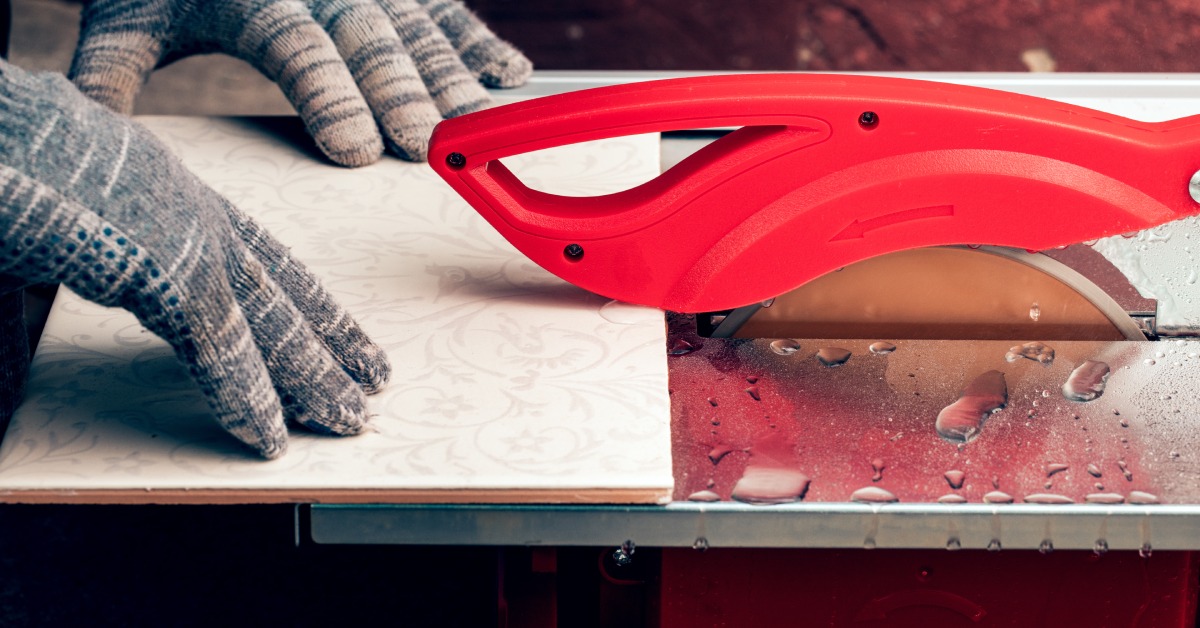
<point>823,171</point>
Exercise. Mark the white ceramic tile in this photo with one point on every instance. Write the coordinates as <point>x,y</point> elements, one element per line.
<point>506,378</point>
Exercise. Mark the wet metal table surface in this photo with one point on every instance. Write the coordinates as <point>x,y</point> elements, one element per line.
<point>869,423</point>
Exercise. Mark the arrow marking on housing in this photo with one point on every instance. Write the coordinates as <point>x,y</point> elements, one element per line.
<point>859,228</point>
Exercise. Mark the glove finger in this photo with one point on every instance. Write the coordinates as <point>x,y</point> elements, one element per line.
<point>493,60</point>
<point>60,240</point>
<point>284,42</point>
<point>314,389</point>
<point>452,86</point>
<point>362,359</point>
<point>386,75</point>
<point>14,352</point>
<point>114,58</point>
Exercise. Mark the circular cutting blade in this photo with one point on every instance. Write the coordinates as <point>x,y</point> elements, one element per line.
<point>959,293</point>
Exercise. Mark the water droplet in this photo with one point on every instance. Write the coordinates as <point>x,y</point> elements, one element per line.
<point>1046,546</point>
<point>962,420</point>
<point>869,543</point>
<point>785,346</point>
<point>1099,486</point>
<point>753,392</point>
<point>993,545</point>
<point>953,544</point>
<point>712,401</point>
<point>704,496</point>
<point>1036,351</point>
<point>1053,468</point>
<point>1048,498</point>
<point>873,495</point>
<point>833,356</point>
<point>955,478</point>
<point>1149,362</point>
<point>1174,454</point>
<point>1104,498</point>
<point>952,498</point>
<point>1125,470</point>
<point>763,484</point>
<point>882,348</point>
<point>1087,381</point>
<point>1035,312</point>
<point>700,544</point>
<point>877,467</point>
<point>1100,547</point>
<point>623,555</point>
<point>769,302</point>
<point>1094,470</point>
<point>681,347</point>
<point>1124,422</point>
<point>998,497</point>
<point>718,452</point>
<point>1141,497</point>
<point>1145,550</point>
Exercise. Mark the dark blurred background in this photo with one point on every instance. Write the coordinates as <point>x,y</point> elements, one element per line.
<point>203,566</point>
<point>918,35</point>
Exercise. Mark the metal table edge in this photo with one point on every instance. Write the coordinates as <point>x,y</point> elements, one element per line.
<point>1145,528</point>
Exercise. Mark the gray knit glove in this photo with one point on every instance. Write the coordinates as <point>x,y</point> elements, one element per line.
<point>92,200</point>
<point>350,67</point>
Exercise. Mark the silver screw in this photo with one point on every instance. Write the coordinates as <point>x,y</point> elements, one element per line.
<point>1194,187</point>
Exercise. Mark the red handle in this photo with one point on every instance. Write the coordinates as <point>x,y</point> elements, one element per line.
<point>824,171</point>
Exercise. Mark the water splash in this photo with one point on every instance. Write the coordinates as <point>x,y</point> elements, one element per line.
<point>1037,351</point>
<point>963,419</point>
<point>1087,381</point>
<point>833,356</point>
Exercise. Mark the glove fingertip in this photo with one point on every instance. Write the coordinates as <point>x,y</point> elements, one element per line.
<point>351,149</point>
<point>506,71</point>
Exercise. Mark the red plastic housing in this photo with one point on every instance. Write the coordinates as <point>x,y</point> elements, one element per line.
<point>823,171</point>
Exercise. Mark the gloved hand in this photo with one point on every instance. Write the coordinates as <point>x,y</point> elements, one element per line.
<point>93,201</point>
<point>406,62</point>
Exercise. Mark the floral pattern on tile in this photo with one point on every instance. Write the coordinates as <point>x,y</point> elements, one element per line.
<point>505,376</point>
